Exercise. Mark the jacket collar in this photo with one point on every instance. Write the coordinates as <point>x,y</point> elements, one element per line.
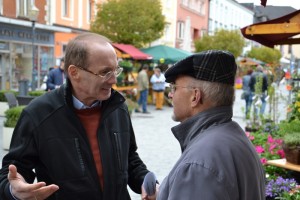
<point>187,130</point>
<point>114,100</point>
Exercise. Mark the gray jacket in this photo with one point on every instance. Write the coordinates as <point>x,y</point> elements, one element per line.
<point>217,162</point>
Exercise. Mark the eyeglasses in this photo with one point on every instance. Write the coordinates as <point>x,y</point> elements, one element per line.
<point>104,75</point>
<point>173,87</point>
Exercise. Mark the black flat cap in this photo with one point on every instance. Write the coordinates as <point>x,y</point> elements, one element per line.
<point>212,65</point>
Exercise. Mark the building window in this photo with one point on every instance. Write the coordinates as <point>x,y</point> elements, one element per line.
<point>180,30</point>
<point>89,11</point>
<point>64,46</point>
<point>65,8</point>
<point>23,6</point>
<point>1,7</point>
<point>185,2</point>
<point>202,7</point>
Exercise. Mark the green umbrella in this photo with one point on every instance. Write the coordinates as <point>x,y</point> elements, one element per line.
<point>165,54</point>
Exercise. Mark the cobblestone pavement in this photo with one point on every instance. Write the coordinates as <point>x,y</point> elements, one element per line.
<point>156,144</point>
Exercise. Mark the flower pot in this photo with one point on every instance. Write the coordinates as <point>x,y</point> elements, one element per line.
<point>7,134</point>
<point>292,155</point>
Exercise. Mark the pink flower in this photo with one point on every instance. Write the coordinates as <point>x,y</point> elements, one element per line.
<point>263,161</point>
<point>272,146</point>
<point>251,137</point>
<point>280,152</point>
<point>279,141</point>
<point>270,139</point>
<point>259,149</point>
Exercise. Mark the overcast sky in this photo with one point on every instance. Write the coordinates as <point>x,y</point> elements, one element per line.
<point>293,3</point>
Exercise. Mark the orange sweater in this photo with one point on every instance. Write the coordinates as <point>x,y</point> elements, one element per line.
<point>90,119</point>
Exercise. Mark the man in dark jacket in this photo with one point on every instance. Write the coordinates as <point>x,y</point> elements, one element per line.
<point>218,161</point>
<point>56,77</point>
<point>78,140</point>
<point>259,88</point>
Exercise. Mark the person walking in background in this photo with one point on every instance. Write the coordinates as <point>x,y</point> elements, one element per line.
<point>78,140</point>
<point>259,87</point>
<point>143,87</point>
<point>158,87</point>
<point>218,161</point>
<point>56,76</point>
<point>247,92</point>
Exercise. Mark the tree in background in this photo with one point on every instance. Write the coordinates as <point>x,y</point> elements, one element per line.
<point>231,41</point>
<point>265,54</point>
<point>135,22</point>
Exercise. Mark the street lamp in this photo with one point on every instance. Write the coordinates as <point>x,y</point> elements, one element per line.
<point>33,15</point>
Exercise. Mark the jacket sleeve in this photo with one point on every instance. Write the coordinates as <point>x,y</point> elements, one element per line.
<point>136,168</point>
<point>21,154</point>
<point>193,181</point>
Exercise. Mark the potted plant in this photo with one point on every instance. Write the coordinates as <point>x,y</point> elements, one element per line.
<point>126,65</point>
<point>291,147</point>
<point>12,115</point>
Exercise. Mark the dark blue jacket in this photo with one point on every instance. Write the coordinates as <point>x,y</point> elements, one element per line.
<point>55,78</point>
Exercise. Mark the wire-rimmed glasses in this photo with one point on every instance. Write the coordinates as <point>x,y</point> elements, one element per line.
<point>107,75</point>
<point>174,86</point>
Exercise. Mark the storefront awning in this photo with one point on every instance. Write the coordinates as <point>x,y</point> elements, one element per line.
<point>275,32</point>
<point>133,52</point>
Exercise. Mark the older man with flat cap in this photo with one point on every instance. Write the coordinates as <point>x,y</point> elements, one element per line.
<point>218,161</point>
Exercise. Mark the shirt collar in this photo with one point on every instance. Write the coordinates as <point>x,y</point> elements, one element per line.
<point>80,106</point>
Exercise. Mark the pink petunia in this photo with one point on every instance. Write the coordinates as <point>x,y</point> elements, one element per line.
<point>259,149</point>
<point>280,152</point>
<point>272,146</point>
<point>263,161</point>
<point>270,139</point>
<point>251,137</point>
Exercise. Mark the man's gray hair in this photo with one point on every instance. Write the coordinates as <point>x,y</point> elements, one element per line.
<point>218,94</point>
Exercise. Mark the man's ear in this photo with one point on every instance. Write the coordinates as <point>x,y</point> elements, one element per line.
<point>73,72</point>
<point>197,98</point>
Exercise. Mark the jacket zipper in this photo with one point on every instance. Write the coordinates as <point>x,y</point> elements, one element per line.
<point>76,141</point>
<point>118,150</point>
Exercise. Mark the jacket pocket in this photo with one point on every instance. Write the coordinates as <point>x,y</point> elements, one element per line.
<point>118,147</point>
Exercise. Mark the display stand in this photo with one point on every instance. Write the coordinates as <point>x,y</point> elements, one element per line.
<point>284,164</point>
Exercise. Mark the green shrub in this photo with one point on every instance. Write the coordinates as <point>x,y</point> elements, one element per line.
<point>289,127</point>
<point>36,93</point>
<point>292,139</point>
<point>2,92</point>
<point>12,115</point>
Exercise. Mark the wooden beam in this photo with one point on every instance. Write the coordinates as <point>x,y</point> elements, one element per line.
<point>288,41</point>
<point>280,28</point>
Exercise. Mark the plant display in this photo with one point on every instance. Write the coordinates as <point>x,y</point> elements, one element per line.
<point>281,188</point>
<point>268,148</point>
<point>292,139</point>
<point>12,116</point>
<point>2,96</point>
<point>126,63</point>
<point>295,108</point>
<point>36,93</point>
<point>286,127</point>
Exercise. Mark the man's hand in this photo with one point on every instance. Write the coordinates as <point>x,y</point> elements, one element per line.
<point>25,191</point>
<point>145,195</point>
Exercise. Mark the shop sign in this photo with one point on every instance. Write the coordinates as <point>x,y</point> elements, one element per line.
<point>24,34</point>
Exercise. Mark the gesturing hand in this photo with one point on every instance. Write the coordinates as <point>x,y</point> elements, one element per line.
<point>25,191</point>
